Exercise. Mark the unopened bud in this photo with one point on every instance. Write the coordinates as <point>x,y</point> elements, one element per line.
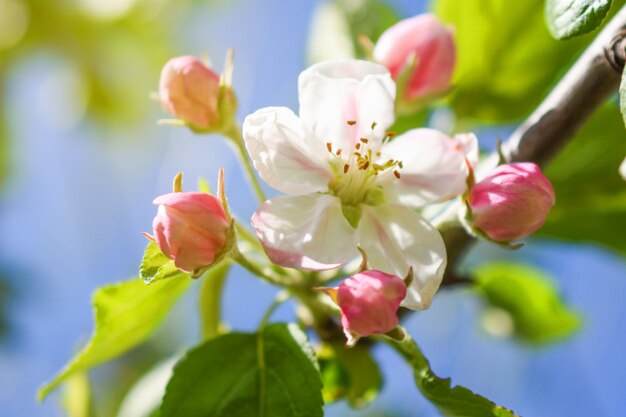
<point>511,203</point>
<point>421,49</point>
<point>369,303</point>
<point>193,93</point>
<point>192,228</point>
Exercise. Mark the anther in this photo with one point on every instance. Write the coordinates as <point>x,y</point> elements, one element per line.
<point>329,146</point>
<point>358,145</point>
<point>351,122</point>
<point>366,165</point>
<point>391,134</point>
<point>364,140</point>
<point>396,174</point>
<point>346,167</point>
<point>338,152</point>
<point>373,125</point>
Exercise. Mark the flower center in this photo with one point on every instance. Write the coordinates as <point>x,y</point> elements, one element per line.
<point>356,177</point>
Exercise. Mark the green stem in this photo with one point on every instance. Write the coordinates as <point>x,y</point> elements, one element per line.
<point>280,298</point>
<point>246,235</point>
<point>402,342</point>
<point>234,134</point>
<point>265,273</point>
<point>211,299</point>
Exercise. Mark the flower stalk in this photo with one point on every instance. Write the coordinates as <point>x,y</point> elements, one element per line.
<point>233,133</point>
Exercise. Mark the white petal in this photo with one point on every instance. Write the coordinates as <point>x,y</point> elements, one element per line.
<point>305,232</point>
<point>284,153</point>
<point>335,92</point>
<point>434,166</point>
<point>622,169</point>
<point>396,238</point>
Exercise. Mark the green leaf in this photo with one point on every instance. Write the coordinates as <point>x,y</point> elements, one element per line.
<point>569,18</point>
<point>126,314</point>
<point>506,57</point>
<point>155,266</point>
<point>349,373</point>
<point>590,194</point>
<point>451,401</point>
<point>528,296</point>
<point>267,374</point>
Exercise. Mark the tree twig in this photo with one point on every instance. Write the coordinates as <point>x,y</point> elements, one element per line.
<point>588,84</point>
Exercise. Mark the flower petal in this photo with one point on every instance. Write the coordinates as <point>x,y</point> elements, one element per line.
<point>395,239</point>
<point>434,166</point>
<point>305,232</point>
<point>284,153</point>
<point>337,92</point>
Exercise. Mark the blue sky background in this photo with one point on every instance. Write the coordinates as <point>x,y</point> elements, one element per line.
<point>73,211</point>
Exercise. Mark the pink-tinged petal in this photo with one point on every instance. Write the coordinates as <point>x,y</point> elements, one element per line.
<point>305,232</point>
<point>337,92</point>
<point>395,239</point>
<point>433,166</point>
<point>190,228</point>
<point>284,152</point>
<point>430,42</point>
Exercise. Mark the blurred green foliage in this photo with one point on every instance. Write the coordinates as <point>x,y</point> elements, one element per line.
<point>507,59</point>
<point>529,298</point>
<point>349,373</point>
<point>338,24</point>
<point>117,48</point>
<point>77,396</point>
<point>591,195</point>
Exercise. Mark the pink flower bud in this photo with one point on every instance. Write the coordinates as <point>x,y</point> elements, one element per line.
<point>191,228</point>
<point>369,303</point>
<point>190,91</point>
<point>432,45</point>
<point>512,202</point>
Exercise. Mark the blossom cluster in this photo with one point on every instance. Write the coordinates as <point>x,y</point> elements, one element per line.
<point>350,186</point>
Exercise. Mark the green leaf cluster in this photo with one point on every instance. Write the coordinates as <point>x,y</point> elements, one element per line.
<point>271,373</point>
<point>528,296</point>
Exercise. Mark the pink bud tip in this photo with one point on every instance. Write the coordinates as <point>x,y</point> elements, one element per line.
<point>512,202</point>
<point>191,228</point>
<point>190,91</point>
<point>430,42</point>
<point>369,302</point>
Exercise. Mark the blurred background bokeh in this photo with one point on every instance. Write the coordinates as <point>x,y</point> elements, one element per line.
<point>81,159</point>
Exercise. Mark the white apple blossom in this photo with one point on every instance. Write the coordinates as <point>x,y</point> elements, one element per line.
<point>349,182</point>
